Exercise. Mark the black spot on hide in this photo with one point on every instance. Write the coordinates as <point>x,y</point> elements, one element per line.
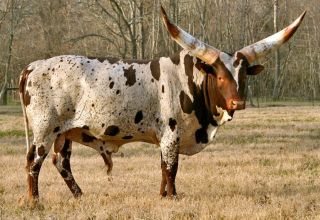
<point>87,138</point>
<point>138,117</point>
<point>112,130</point>
<point>175,59</point>
<point>185,103</point>
<point>130,74</point>
<point>201,136</point>
<point>172,124</point>
<point>86,127</point>
<point>155,69</point>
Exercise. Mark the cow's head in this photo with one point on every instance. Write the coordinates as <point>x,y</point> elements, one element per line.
<point>229,71</point>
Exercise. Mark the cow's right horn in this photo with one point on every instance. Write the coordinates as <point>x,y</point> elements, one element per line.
<point>196,47</point>
<point>263,47</point>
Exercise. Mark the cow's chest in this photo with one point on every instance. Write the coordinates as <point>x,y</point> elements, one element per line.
<point>196,137</point>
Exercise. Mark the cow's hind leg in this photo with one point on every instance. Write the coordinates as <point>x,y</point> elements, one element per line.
<point>61,160</point>
<point>107,158</point>
<point>35,157</point>
<point>82,136</point>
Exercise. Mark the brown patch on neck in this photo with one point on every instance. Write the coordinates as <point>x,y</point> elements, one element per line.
<point>210,94</point>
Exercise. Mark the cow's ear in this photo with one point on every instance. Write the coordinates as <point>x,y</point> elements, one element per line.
<point>254,70</point>
<point>204,68</point>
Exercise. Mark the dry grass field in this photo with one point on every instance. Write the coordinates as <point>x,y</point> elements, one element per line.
<point>265,164</point>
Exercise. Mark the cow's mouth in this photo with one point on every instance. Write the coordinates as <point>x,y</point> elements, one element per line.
<point>223,116</point>
<point>231,112</point>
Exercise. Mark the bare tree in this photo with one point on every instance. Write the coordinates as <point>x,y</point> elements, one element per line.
<point>52,16</point>
<point>15,18</point>
<point>133,29</point>
<point>4,12</point>
<point>277,54</point>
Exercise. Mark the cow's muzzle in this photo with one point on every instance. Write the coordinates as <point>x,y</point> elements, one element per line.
<point>236,105</point>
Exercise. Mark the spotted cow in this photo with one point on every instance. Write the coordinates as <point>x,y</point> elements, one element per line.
<point>176,102</point>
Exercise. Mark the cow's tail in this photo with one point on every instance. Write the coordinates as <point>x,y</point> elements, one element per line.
<point>22,86</point>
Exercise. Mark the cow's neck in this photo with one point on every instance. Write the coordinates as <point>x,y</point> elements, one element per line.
<point>203,102</point>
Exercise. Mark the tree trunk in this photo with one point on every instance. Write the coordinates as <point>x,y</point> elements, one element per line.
<point>277,54</point>
<point>3,91</point>
<point>142,31</point>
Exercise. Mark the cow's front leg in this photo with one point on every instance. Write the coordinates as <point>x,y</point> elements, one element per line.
<point>169,165</point>
<point>168,178</point>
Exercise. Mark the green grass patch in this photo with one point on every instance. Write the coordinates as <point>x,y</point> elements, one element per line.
<point>12,133</point>
<point>265,162</point>
<point>2,190</point>
<point>10,109</point>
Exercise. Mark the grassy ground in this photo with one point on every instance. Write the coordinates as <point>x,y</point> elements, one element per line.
<point>265,164</point>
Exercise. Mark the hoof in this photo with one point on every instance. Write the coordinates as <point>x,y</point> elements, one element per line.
<point>164,194</point>
<point>30,203</point>
<point>109,172</point>
<point>78,195</point>
<point>173,197</point>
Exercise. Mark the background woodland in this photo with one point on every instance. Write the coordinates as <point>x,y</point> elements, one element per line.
<point>39,29</point>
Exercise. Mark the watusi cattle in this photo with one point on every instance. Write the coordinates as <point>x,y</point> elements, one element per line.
<point>176,102</point>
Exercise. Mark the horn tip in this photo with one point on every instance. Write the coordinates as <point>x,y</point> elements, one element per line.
<point>173,30</point>
<point>163,12</point>
<point>303,14</point>
<point>293,27</point>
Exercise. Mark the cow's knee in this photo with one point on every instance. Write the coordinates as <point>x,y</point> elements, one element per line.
<point>35,158</point>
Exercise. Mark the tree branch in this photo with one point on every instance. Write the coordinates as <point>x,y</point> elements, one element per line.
<point>79,38</point>
<point>5,12</point>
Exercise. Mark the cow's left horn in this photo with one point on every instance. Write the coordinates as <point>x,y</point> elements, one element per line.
<point>273,42</point>
<point>196,47</point>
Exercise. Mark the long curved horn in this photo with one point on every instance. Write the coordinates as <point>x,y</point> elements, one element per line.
<point>197,48</point>
<point>273,42</point>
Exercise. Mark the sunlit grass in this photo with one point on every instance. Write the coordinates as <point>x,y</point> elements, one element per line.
<point>264,164</point>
